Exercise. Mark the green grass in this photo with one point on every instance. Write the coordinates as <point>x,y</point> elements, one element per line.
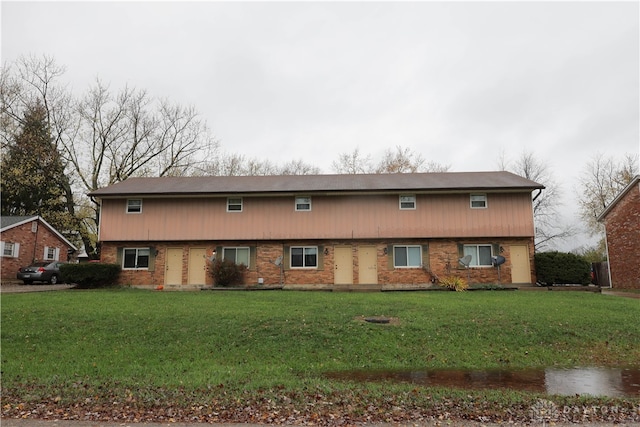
<point>99,343</point>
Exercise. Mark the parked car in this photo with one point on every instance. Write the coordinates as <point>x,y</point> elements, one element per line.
<point>45,271</point>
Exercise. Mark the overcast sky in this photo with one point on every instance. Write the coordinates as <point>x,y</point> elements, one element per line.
<point>457,82</point>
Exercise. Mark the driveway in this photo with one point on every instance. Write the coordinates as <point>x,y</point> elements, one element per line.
<point>14,288</point>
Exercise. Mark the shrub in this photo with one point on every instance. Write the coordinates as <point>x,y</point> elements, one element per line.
<point>454,283</point>
<point>91,275</point>
<point>227,273</point>
<point>562,268</point>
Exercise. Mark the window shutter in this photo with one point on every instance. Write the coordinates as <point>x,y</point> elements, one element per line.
<point>2,248</point>
<point>390,257</point>
<point>320,257</point>
<point>119,256</point>
<point>46,251</point>
<point>152,259</point>
<point>425,257</point>
<point>253,258</point>
<point>56,255</point>
<point>286,260</point>
<point>16,250</point>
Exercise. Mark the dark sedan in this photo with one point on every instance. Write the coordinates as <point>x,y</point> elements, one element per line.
<point>46,271</point>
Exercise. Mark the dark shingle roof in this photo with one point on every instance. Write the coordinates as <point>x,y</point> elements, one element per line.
<point>211,185</point>
<point>8,221</point>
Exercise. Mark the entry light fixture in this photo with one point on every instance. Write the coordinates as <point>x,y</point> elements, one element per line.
<point>385,251</point>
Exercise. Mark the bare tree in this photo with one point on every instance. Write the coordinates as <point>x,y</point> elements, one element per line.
<point>103,138</point>
<point>546,216</point>
<point>602,179</point>
<point>352,163</point>
<point>402,160</point>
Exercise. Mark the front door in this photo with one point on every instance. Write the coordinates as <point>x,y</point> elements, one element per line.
<point>520,268</point>
<point>173,267</point>
<point>197,266</point>
<point>343,266</point>
<point>367,265</point>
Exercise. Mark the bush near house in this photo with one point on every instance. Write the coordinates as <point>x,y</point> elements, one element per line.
<point>91,275</point>
<point>554,268</point>
<point>227,273</point>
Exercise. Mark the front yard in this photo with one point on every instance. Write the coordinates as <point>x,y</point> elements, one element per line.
<point>262,356</point>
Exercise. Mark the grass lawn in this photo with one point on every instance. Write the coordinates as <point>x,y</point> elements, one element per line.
<point>212,355</point>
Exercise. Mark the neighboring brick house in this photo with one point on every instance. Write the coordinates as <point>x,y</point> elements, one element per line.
<point>25,239</point>
<point>622,230</point>
<point>383,229</point>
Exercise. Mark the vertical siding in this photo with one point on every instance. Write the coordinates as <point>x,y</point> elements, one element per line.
<point>331,217</point>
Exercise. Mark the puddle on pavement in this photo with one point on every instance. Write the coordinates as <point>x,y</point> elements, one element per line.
<point>610,382</point>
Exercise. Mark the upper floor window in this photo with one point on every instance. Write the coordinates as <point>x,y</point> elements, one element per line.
<point>234,204</point>
<point>236,255</point>
<point>478,201</point>
<point>51,253</point>
<point>407,202</point>
<point>303,203</point>
<point>407,256</point>
<point>10,249</point>
<point>304,256</point>
<point>134,206</point>
<point>480,255</point>
<point>136,258</point>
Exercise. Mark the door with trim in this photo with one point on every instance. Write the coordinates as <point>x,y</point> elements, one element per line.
<point>343,265</point>
<point>173,267</point>
<point>367,265</point>
<point>520,264</point>
<point>197,266</point>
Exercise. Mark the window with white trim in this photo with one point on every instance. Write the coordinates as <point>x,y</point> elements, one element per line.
<point>234,204</point>
<point>303,203</point>
<point>135,258</point>
<point>480,255</point>
<point>407,256</point>
<point>304,256</point>
<point>10,249</point>
<point>238,255</point>
<point>407,202</point>
<point>51,253</point>
<point>478,201</point>
<point>134,205</point>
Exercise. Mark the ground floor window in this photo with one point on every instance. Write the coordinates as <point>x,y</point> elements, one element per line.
<point>10,249</point>
<point>480,255</point>
<point>304,256</point>
<point>136,258</point>
<point>51,253</point>
<point>407,256</point>
<point>236,255</point>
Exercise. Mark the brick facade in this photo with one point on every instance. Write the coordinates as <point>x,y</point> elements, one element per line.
<point>622,223</point>
<point>32,245</point>
<point>441,260</point>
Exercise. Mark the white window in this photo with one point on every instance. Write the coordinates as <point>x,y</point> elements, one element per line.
<point>236,255</point>
<point>134,206</point>
<point>303,203</point>
<point>51,253</point>
<point>407,256</point>
<point>480,255</point>
<point>234,204</point>
<point>10,249</point>
<point>478,201</point>
<point>407,202</point>
<point>304,256</point>
<point>135,258</point>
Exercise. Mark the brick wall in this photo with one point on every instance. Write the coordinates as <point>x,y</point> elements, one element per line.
<point>443,261</point>
<point>623,241</point>
<point>29,251</point>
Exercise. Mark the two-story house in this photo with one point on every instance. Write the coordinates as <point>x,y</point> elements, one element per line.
<point>320,229</point>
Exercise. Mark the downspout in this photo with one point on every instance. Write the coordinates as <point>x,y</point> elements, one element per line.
<point>537,195</point>
<point>606,248</point>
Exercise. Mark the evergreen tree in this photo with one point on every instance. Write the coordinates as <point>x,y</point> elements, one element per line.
<point>33,178</point>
